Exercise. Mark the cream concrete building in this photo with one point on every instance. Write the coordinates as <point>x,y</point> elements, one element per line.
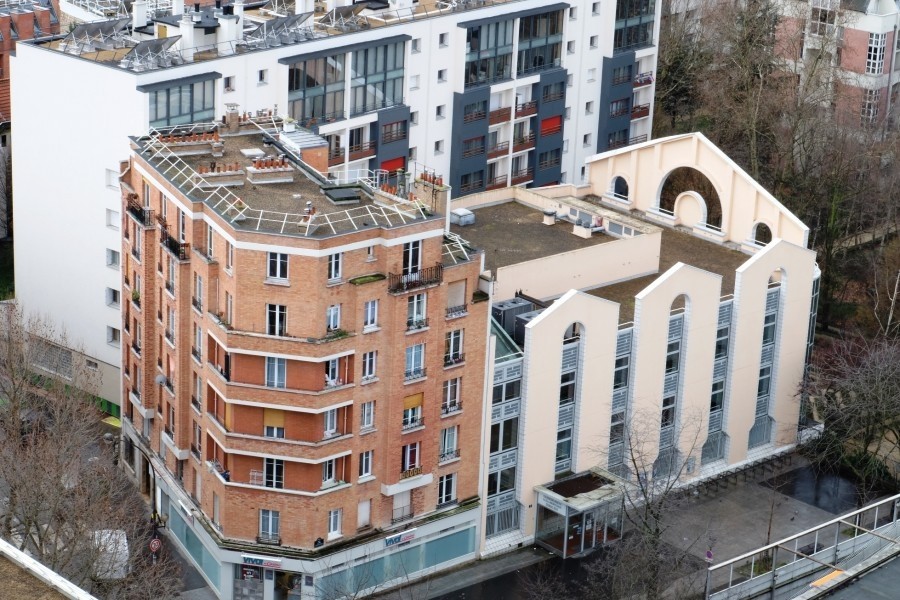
<point>664,310</point>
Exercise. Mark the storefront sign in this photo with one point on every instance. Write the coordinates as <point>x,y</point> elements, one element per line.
<point>400,538</point>
<point>553,504</point>
<point>261,561</point>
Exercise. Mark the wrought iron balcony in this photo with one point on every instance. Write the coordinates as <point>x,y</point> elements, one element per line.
<point>449,455</point>
<point>269,538</point>
<point>496,150</point>
<point>413,423</point>
<point>179,249</point>
<point>457,311</point>
<point>142,215</point>
<point>398,283</point>
<point>402,513</point>
<point>411,472</point>
<point>454,358</point>
<point>522,176</point>
<point>448,408</point>
<point>642,79</point>
<point>418,373</point>
<point>416,323</point>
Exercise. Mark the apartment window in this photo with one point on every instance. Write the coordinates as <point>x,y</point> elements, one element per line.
<point>540,41</point>
<point>316,88</point>
<point>667,418</point>
<point>269,523</point>
<point>198,292</point>
<point>414,117</point>
<point>113,258</point>
<point>443,39</point>
<point>573,13</point>
<point>440,111</point>
<point>409,456</point>
<point>416,311</point>
<point>331,372</point>
<point>451,394</point>
<point>412,256</point>
<point>210,237</point>
<point>769,329</point>
<point>229,307</point>
<point>273,431</point>
<point>365,463</point>
<point>618,108</point>
<point>113,336</point>
<point>262,76</point>
<point>333,317</point>
<point>489,51</point>
<point>592,75</point>
<point>617,428</point>
<point>229,83</point>
<point>412,416</point>
<point>276,369</point>
<point>331,419</point>
<point>509,390</point>
<point>717,397</point>
<point>673,355</point>
<point>875,53</point>
<point>334,266</point>
<point>453,347</point>
<point>722,343</point>
<point>504,435</point>
<point>370,314</point>
<point>586,140</point>
<point>617,138</point>
<point>392,132</point>
<point>621,75</point>
<point>368,364</point>
<point>229,255</point>
<point>367,415</point>
<point>442,75</point>
<point>414,82</point>
<point>334,523</point>
<point>276,319</point>
<point>377,77</point>
<point>594,41</point>
<point>869,111</point>
<point>570,80</point>
<point>449,445</point>
<point>274,472</point>
<point>570,47</point>
<point>567,388</point>
<point>112,297</point>
<point>501,481</point>
<point>182,104</point>
<point>765,382</point>
<point>278,265</point>
<point>564,444</point>
<point>413,153</point>
<point>620,375</point>
<point>328,471</point>
<point>416,46</point>
<point>595,8</point>
<point>447,488</point>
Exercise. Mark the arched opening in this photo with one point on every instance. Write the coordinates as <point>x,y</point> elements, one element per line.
<point>688,179</point>
<point>619,188</point>
<point>762,235</point>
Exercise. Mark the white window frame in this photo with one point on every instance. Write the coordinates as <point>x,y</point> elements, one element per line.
<point>330,419</point>
<point>113,258</point>
<point>369,364</point>
<point>449,441</point>
<point>269,522</point>
<point>333,317</point>
<point>365,463</point>
<point>277,266</point>
<point>329,471</point>
<point>334,266</point>
<point>370,314</point>
<point>273,431</point>
<point>447,489</point>
<point>276,372</point>
<point>410,456</point>
<point>367,415</point>
<point>334,523</point>
<point>415,358</point>
<point>276,320</point>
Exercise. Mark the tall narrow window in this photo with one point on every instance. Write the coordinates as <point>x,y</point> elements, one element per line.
<point>334,266</point>
<point>412,256</point>
<point>278,265</point>
<point>276,369</point>
<point>274,472</point>
<point>370,315</point>
<point>276,319</point>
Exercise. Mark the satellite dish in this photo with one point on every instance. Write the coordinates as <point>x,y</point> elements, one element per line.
<point>160,379</point>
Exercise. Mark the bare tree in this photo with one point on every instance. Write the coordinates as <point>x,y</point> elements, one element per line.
<point>65,502</point>
<point>389,577</point>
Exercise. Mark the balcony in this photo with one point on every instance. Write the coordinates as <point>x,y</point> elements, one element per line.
<point>411,472</point>
<point>622,143</point>
<point>522,177</point>
<point>474,151</point>
<point>458,311</point>
<point>454,358</point>
<point>416,323</point>
<point>314,122</point>
<point>361,109</point>
<point>472,186</point>
<point>335,157</point>
<point>136,252</point>
<point>497,183</point>
<point>399,283</point>
<point>551,131</point>
<point>500,115</point>
<point>144,216</point>
<point>526,109</point>
<point>413,423</point>
<point>621,111</point>
<point>179,249</point>
<point>393,136</point>
<point>643,79</point>
<point>448,455</point>
<point>554,96</point>
<point>640,111</point>
<point>474,116</point>
<point>170,287</point>
<point>402,513</point>
<point>449,408</point>
<point>523,143</point>
<point>272,539</point>
<point>549,164</point>
<point>498,150</point>
<point>622,79</point>
<point>170,385</point>
<point>416,373</point>
<point>361,151</point>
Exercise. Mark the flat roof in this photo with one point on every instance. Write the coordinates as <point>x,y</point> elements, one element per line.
<point>269,207</point>
<point>511,233</point>
<point>19,583</point>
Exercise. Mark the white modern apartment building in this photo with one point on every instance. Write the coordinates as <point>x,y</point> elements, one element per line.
<point>488,93</point>
<point>635,317</point>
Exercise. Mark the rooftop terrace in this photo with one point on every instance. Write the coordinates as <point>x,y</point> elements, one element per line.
<point>260,186</point>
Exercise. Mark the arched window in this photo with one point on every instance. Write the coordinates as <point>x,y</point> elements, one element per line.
<point>762,235</point>
<point>688,179</point>
<point>619,188</point>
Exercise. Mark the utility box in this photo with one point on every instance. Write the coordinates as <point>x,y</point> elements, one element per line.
<point>462,217</point>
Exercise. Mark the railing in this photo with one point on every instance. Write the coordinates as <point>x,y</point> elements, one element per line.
<point>457,311</point>
<point>618,112</point>
<point>526,109</point>
<point>197,303</point>
<point>522,176</point>
<point>136,347</point>
<point>496,183</point>
<point>622,143</point>
<point>525,142</point>
<point>474,116</point>
<point>416,323</point>
<point>475,151</point>
<point>170,431</point>
<point>642,79</point>
<point>179,249</point>
<point>548,164</point>
<point>142,215</point>
<point>454,358</point>
<point>666,436</point>
<point>417,279</point>
<point>538,68</point>
<point>366,108</point>
<point>471,187</point>
<point>136,252</point>
<point>402,513</point>
<point>551,131</point>
<point>408,424</point>
<point>335,156</point>
<point>196,403</point>
<point>448,455</point>
<point>554,96</point>
<point>411,472</point>
<point>498,150</point>
<point>170,385</point>
<point>393,136</point>
<point>170,286</point>
<point>640,111</point>
<point>265,537</point>
<point>136,392</point>
<point>622,79</point>
<point>360,151</point>
<point>500,115</point>
<point>448,408</point>
<point>195,352</point>
<point>412,374</point>
<point>312,122</point>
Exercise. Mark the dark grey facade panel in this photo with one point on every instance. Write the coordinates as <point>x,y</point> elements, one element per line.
<point>163,85</point>
<point>546,110</point>
<point>397,148</point>
<point>516,14</point>
<point>288,60</point>
<point>609,93</point>
<point>460,131</point>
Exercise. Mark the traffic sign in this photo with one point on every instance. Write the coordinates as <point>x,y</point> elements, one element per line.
<point>155,545</point>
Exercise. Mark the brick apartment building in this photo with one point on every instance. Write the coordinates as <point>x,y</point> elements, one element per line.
<point>309,374</point>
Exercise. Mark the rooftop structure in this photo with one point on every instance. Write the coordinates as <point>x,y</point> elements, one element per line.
<point>24,577</point>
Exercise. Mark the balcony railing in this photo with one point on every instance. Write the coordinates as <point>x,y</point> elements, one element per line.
<point>170,286</point>
<point>360,151</point>
<point>196,303</point>
<point>474,151</point>
<point>551,131</point>
<point>458,311</point>
<point>622,110</point>
<point>526,109</point>
<point>622,143</point>
<point>621,79</point>
<point>454,358</point>
<point>415,280</point>
<point>335,156</point>
<point>136,252</point>
<point>522,176</point>
<point>548,164</point>
<point>142,215</point>
<point>497,182</point>
<point>179,249</point>
<point>474,116</point>
<point>266,537</point>
<point>448,408</point>
<point>170,385</point>
<point>554,96</point>
<point>642,79</point>
<point>411,472</point>
<point>416,323</point>
<point>393,136</point>
<point>313,122</point>
<point>472,186</point>
<point>496,150</point>
<point>550,64</point>
<point>500,115</point>
<point>402,513</point>
<point>448,455</point>
<point>408,424</point>
<point>525,142</point>
<point>136,393</point>
<point>417,373</point>
<point>640,111</point>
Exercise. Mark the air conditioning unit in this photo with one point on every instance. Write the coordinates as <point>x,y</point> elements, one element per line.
<point>505,312</point>
<point>521,321</point>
